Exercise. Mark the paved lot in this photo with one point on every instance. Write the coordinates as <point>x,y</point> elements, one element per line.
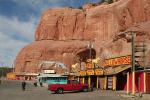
<point>11,90</point>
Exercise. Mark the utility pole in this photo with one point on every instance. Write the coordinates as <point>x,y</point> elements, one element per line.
<point>133,62</point>
<point>144,65</point>
<point>90,46</point>
<point>140,50</point>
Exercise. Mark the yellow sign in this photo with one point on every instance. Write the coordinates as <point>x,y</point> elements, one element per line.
<point>90,72</point>
<point>118,61</point>
<point>99,72</point>
<point>11,76</point>
<point>82,73</point>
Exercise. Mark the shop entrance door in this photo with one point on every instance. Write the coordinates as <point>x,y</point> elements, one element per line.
<point>86,80</point>
<point>93,81</point>
<point>121,81</point>
<point>110,83</point>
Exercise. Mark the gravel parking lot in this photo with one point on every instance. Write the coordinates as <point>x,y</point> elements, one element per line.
<point>11,90</point>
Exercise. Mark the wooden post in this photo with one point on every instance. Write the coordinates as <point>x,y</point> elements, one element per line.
<point>89,81</point>
<point>133,83</point>
<point>133,62</point>
<point>144,64</point>
<point>114,82</point>
<point>97,82</point>
<point>144,82</point>
<point>105,82</point>
<point>83,80</point>
<point>128,82</point>
<point>78,79</point>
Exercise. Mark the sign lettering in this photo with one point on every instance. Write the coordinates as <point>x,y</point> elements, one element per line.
<point>99,72</point>
<point>90,72</point>
<point>118,61</point>
<point>82,73</point>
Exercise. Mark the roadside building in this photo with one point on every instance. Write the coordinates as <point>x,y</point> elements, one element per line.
<point>26,76</point>
<point>124,63</point>
<point>92,75</point>
<point>115,75</point>
<point>10,76</point>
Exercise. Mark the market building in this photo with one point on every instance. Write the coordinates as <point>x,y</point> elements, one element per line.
<point>107,77</point>
<point>116,75</point>
<point>127,69</point>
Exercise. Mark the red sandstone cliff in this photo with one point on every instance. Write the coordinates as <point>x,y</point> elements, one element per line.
<point>61,24</point>
<point>63,32</point>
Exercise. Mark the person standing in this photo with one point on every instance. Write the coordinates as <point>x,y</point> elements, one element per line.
<point>41,84</point>
<point>35,82</point>
<point>40,81</point>
<point>23,85</point>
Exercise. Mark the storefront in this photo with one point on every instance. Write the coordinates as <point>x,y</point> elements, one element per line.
<point>115,72</point>
<point>118,76</point>
<point>26,76</point>
<point>112,76</point>
<point>92,76</point>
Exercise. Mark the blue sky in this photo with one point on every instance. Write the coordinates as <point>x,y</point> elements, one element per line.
<point>18,22</point>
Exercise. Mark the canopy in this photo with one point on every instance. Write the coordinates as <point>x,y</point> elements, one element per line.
<point>116,70</point>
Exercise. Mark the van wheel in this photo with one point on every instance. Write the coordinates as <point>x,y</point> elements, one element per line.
<point>59,91</point>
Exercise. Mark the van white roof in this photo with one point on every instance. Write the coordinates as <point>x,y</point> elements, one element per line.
<point>50,75</point>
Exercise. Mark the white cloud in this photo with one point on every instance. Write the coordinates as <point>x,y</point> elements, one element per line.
<point>37,2</point>
<point>40,4</point>
<point>14,35</point>
<point>9,49</point>
<point>19,28</point>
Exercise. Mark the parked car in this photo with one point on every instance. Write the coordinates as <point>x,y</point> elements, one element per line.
<point>72,85</point>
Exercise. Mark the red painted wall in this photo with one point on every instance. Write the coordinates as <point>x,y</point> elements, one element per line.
<point>148,82</point>
<point>139,82</point>
<point>141,86</point>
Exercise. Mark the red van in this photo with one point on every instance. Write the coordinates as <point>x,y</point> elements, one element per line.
<point>72,85</point>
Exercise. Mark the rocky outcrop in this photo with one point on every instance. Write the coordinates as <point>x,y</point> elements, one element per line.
<point>61,24</point>
<point>31,57</point>
<point>63,32</point>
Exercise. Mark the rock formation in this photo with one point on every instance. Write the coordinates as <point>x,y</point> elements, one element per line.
<point>65,32</point>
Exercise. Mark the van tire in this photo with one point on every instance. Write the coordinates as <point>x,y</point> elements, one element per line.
<point>59,91</point>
